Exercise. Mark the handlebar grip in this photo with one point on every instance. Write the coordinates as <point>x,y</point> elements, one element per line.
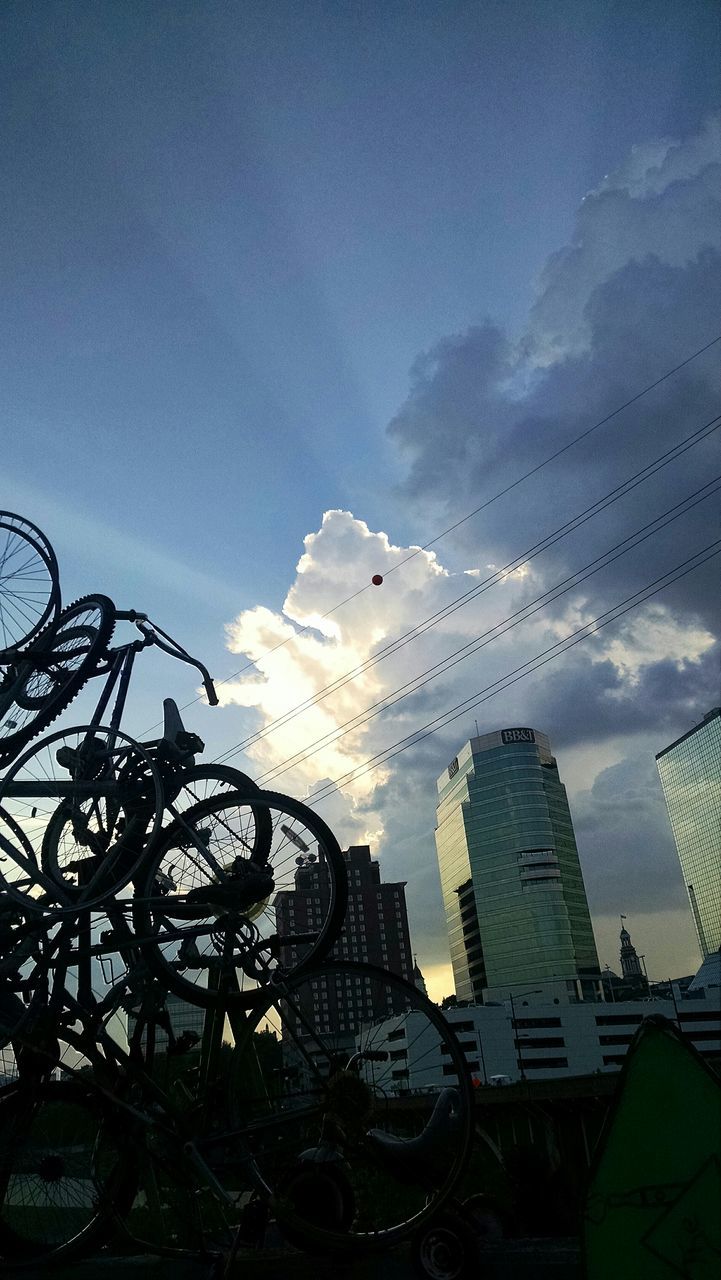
<point>130,615</point>
<point>210,692</point>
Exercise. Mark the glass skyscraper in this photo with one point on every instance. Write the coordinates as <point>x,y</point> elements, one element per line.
<point>690,772</point>
<point>513,891</point>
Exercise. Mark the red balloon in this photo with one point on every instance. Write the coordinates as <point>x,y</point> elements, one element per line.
<point>377,579</point>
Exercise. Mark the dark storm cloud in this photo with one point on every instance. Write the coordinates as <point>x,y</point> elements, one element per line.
<point>637,290</point>
<point>642,321</point>
<point>628,853</point>
<point>454,412</point>
<point>582,698</point>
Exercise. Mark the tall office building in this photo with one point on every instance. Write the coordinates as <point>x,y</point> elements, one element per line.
<point>690,772</point>
<point>516,909</point>
<point>375,930</point>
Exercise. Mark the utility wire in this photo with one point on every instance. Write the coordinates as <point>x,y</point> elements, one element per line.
<point>494,498</point>
<point>497,576</point>
<point>495,632</point>
<point>527,668</point>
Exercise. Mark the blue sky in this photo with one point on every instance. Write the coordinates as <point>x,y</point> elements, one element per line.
<point>230,231</point>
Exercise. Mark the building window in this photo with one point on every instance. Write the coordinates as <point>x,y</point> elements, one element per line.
<point>618,1019</point>
<point>543,1042</point>
<point>528,1023</point>
<point>539,1064</point>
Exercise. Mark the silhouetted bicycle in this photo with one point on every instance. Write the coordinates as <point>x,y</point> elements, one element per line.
<point>325,1126</point>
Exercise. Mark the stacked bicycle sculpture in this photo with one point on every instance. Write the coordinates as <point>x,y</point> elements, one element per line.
<point>133,878</point>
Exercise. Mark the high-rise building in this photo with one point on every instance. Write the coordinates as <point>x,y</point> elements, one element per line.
<point>375,930</point>
<point>690,772</point>
<point>515,901</point>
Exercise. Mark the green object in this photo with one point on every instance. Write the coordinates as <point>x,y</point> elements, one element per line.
<point>653,1209</point>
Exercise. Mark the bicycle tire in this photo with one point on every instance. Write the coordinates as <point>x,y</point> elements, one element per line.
<point>54,844</point>
<point>60,1145</point>
<point>29,586</point>
<point>446,1248</point>
<point>210,932</point>
<point>20,969</point>
<point>51,693</point>
<point>201,782</point>
<point>303,1112</point>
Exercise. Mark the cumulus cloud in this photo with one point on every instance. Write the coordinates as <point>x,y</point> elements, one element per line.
<point>634,292</point>
<point>298,654</point>
<point>662,201</point>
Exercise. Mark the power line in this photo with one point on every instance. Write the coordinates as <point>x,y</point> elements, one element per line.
<point>495,632</point>
<point>527,668</point>
<point>494,498</point>
<point>564,449</point>
<point>440,615</point>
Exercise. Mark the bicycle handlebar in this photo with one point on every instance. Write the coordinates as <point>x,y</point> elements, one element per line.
<point>153,633</point>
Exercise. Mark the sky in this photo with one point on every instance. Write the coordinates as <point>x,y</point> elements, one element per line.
<point>290,290</point>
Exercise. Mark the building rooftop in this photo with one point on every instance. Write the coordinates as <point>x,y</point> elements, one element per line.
<point>713,714</point>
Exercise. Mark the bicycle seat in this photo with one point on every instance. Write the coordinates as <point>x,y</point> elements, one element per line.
<point>238,893</point>
<point>177,744</point>
<point>418,1158</point>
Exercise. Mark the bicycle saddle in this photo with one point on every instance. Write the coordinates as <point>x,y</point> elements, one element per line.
<point>242,890</point>
<point>417,1158</point>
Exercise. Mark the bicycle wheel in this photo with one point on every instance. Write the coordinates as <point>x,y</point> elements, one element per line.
<point>83,805</point>
<point>208,909</point>
<point>64,657</point>
<point>355,1098</point>
<point>203,782</point>
<point>29,584</point>
<point>65,1175</point>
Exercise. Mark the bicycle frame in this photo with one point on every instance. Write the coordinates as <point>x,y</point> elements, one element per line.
<point>176,747</point>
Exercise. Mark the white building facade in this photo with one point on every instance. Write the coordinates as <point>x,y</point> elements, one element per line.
<point>541,1041</point>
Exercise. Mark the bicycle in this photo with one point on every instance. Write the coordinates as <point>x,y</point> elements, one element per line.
<point>305,1125</point>
<point>311,1126</point>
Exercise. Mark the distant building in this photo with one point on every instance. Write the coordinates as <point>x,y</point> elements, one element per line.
<point>635,982</point>
<point>375,931</point>
<point>547,1041</point>
<point>690,772</point>
<point>515,901</point>
<point>418,979</point>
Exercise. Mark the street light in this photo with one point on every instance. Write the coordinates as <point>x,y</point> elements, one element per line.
<point>516,1040</point>
<point>480,1054</point>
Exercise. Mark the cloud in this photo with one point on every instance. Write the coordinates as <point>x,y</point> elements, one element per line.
<point>622,826</point>
<point>341,557</point>
<point>634,292</point>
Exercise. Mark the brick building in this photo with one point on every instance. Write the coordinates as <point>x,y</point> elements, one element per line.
<point>375,930</point>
